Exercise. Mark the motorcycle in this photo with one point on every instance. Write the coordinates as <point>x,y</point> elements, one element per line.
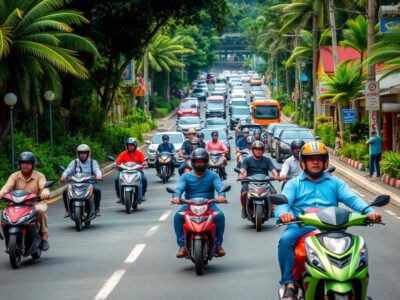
<point>130,185</point>
<point>243,155</point>
<point>21,229</point>
<point>80,199</point>
<point>331,263</point>
<point>165,159</point>
<point>216,163</point>
<point>199,230</point>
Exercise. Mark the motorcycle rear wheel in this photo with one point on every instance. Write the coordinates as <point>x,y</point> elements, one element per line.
<point>128,201</point>
<point>198,256</point>
<point>14,251</point>
<point>258,217</point>
<point>78,218</point>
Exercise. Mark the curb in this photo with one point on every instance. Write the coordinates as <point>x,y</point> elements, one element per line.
<point>391,181</point>
<point>353,163</point>
<point>332,151</point>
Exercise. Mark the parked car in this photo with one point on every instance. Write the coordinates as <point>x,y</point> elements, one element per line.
<point>176,138</point>
<point>277,131</point>
<point>222,136</point>
<point>188,108</point>
<point>286,137</point>
<point>216,123</point>
<point>255,80</point>
<point>238,112</point>
<point>200,94</point>
<point>185,123</point>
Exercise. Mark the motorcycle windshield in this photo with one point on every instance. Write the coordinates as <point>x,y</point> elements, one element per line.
<point>334,216</point>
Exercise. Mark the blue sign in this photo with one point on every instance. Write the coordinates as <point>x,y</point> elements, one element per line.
<point>349,115</point>
<point>389,25</point>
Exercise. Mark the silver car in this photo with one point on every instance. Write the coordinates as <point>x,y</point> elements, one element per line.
<point>185,123</point>
<point>176,138</point>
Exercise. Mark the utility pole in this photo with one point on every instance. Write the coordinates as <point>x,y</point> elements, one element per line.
<point>146,83</point>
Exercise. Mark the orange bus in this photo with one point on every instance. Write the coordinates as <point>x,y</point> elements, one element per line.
<point>265,112</point>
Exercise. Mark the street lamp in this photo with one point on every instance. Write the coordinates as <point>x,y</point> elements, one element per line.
<point>10,100</point>
<point>49,96</point>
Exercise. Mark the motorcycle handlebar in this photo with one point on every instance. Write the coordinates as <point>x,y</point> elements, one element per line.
<point>210,201</point>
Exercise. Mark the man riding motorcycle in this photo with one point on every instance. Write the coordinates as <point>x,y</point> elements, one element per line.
<point>165,146</point>
<point>131,154</point>
<point>187,148</point>
<point>257,134</point>
<point>83,164</point>
<point>249,141</point>
<point>199,183</point>
<point>313,188</point>
<point>256,164</point>
<point>200,137</point>
<point>32,181</point>
<point>291,167</point>
<point>241,143</point>
<point>216,145</point>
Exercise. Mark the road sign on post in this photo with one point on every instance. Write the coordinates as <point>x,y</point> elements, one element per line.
<point>349,115</point>
<point>372,96</point>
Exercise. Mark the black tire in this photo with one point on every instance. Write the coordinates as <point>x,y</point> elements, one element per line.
<point>128,201</point>
<point>164,174</point>
<point>78,218</point>
<point>258,217</point>
<point>87,223</point>
<point>37,254</point>
<point>228,155</point>
<point>198,256</point>
<point>14,251</point>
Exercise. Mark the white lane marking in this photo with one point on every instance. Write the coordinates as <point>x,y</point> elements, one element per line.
<point>110,284</point>
<point>398,218</point>
<point>390,212</point>
<point>151,231</point>
<point>164,216</point>
<point>134,254</point>
<point>358,193</point>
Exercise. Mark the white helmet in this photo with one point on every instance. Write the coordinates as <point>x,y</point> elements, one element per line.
<point>83,148</point>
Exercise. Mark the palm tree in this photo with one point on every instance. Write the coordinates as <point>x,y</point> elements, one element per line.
<point>344,85</point>
<point>36,44</point>
<point>356,35</point>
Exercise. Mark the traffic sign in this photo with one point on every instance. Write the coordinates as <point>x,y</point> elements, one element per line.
<point>372,96</point>
<point>373,121</point>
<point>139,91</point>
<point>349,115</point>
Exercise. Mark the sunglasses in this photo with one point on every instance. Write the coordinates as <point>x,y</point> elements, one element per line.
<point>192,134</point>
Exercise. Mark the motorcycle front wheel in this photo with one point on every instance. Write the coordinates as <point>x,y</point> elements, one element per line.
<point>259,214</point>
<point>164,174</point>
<point>335,296</point>
<point>78,218</point>
<point>128,201</point>
<point>14,251</point>
<point>198,256</point>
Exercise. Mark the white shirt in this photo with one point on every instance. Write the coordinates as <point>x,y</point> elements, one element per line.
<point>291,167</point>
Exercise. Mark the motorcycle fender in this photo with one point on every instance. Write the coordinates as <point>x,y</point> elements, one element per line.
<point>128,188</point>
<point>259,202</point>
<point>338,287</point>
<point>14,230</point>
<point>197,237</point>
<point>78,203</point>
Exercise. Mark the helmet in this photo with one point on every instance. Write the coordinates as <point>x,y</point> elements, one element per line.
<point>131,141</point>
<point>165,137</point>
<point>200,134</point>
<point>199,160</point>
<point>83,148</point>
<point>311,149</point>
<point>296,143</point>
<point>257,131</point>
<point>257,144</point>
<point>194,144</point>
<point>245,130</point>
<point>191,130</point>
<point>214,132</point>
<point>250,139</point>
<point>27,157</point>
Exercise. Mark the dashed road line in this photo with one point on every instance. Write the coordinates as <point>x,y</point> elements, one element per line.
<point>390,212</point>
<point>134,254</point>
<point>151,231</point>
<point>398,218</point>
<point>164,216</point>
<point>358,193</point>
<point>110,285</point>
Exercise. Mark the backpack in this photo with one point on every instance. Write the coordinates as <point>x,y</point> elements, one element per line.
<point>80,168</point>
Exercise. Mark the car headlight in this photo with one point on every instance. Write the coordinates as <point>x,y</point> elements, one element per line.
<point>337,245</point>
<point>198,209</point>
<point>312,256</point>
<point>363,260</point>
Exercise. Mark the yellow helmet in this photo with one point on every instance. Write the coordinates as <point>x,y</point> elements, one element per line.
<point>311,149</point>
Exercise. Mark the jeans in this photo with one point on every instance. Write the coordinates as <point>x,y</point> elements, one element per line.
<point>144,184</point>
<point>97,196</point>
<point>287,243</point>
<point>374,160</point>
<point>182,168</point>
<point>219,221</point>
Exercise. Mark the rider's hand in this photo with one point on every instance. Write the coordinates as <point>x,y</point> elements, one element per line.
<point>221,199</point>
<point>283,177</point>
<point>287,217</point>
<point>98,177</point>
<point>1,195</point>
<point>63,178</point>
<point>375,217</point>
<point>44,195</point>
<point>175,200</point>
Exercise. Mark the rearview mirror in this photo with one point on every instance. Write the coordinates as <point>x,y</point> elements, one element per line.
<point>278,199</point>
<point>61,168</point>
<point>170,190</point>
<point>317,138</point>
<point>330,169</point>
<point>49,184</point>
<point>110,157</point>
<point>226,188</point>
<point>230,137</point>
<point>378,201</point>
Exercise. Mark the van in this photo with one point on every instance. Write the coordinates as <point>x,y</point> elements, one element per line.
<point>266,112</point>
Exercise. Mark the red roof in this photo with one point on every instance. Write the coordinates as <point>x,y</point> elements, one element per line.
<point>326,53</point>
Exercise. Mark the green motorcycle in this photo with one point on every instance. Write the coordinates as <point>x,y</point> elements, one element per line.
<point>330,263</point>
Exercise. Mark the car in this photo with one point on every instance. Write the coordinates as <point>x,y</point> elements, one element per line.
<point>287,135</point>
<point>193,100</point>
<point>216,123</point>
<point>210,78</point>
<point>215,107</point>
<point>234,84</point>
<point>255,80</point>
<point>245,78</point>
<point>257,94</point>
<point>256,88</point>
<point>222,136</point>
<point>237,102</point>
<point>185,123</point>
<point>218,93</point>
<point>269,133</point>
<point>238,94</point>
<point>259,98</point>
<point>176,138</point>
<point>200,94</point>
<point>277,131</point>
<point>188,108</point>
<point>221,78</point>
<point>238,112</point>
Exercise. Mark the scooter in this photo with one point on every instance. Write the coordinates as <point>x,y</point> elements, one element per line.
<point>165,159</point>
<point>216,163</point>
<point>199,230</point>
<point>331,263</point>
<point>21,229</point>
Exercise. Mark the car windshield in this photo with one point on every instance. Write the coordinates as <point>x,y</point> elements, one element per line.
<point>216,104</point>
<point>240,111</point>
<point>239,103</point>
<point>173,138</point>
<point>215,122</point>
<point>207,134</point>
<point>189,121</point>
<point>297,134</point>
<point>279,129</point>
<point>198,90</point>
<point>187,105</point>
<point>266,112</point>
<point>256,88</point>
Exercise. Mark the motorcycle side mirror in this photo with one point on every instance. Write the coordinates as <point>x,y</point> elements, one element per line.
<point>230,137</point>
<point>330,169</point>
<point>378,201</point>
<point>226,188</point>
<point>170,190</point>
<point>278,138</point>
<point>278,199</point>
<point>49,184</point>
<point>237,170</point>
<point>110,157</point>
<point>317,138</point>
<point>61,169</point>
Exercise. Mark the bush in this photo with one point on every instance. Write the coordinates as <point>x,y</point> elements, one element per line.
<point>327,134</point>
<point>358,152</point>
<point>287,110</point>
<point>322,119</point>
<point>162,111</point>
<point>391,164</point>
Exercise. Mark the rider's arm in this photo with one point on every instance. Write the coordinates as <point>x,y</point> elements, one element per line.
<point>172,147</point>
<point>218,185</point>
<point>290,193</point>
<point>120,159</point>
<point>285,169</point>
<point>69,170</point>
<point>243,169</point>
<point>225,148</point>
<point>44,192</point>
<point>96,169</point>
<point>181,187</point>
<point>348,197</point>
<point>10,184</point>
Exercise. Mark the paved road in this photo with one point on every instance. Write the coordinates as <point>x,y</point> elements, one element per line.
<point>124,256</point>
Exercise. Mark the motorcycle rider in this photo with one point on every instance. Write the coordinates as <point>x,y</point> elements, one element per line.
<point>241,143</point>
<point>199,183</point>
<point>291,167</point>
<point>257,134</point>
<point>313,188</point>
<point>83,164</point>
<point>165,146</point>
<point>188,146</point>
<point>32,181</point>
<point>216,145</point>
<point>249,140</point>
<point>131,154</point>
<point>255,164</point>
<point>200,137</point>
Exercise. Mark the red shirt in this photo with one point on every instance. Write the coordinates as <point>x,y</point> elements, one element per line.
<point>136,157</point>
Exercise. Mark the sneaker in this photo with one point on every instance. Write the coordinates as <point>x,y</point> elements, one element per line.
<point>44,245</point>
<point>143,198</point>
<point>244,215</point>
<point>182,252</point>
<point>219,251</point>
<point>98,214</point>
<point>118,200</point>
<point>66,215</point>
<point>289,294</point>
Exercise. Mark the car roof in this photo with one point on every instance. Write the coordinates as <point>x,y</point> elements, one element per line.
<point>213,98</point>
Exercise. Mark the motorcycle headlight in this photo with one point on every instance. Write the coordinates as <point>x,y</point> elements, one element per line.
<point>312,256</point>
<point>198,209</point>
<point>337,245</point>
<point>152,150</point>
<point>363,260</point>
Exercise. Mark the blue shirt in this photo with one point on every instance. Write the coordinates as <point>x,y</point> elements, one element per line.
<point>241,143</point>
<point>166,148</point>
<point>199,187</point>
<point>375,145</point>
<point>327,191</point>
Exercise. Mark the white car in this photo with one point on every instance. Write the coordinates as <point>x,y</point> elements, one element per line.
<point>238,94</point>
<point>176,138</point>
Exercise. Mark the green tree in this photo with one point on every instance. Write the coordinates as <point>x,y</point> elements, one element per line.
<point>356,35</point>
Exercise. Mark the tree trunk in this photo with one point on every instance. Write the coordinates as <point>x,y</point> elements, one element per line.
<point>314,71</point>
<point>287,83</point>
<point>276,77</point>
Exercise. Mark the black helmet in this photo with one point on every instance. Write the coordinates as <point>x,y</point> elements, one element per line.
<point>296,143</point>
<point>131,141</point>
<point>199,160</point>
<point>200,134</point>
<point>27,156</point>
<point>214,132</point>
<point>165,137</point>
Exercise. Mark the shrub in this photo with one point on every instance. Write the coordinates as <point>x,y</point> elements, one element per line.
<point>162,111</point>
<point>327,134</point>
<point>358,152</point>
<point>322,119</point>
<point>391,164</point>
<point>287,110</point>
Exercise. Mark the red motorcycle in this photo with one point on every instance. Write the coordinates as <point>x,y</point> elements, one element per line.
<point>199,230</point>
<point>20,227</point>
